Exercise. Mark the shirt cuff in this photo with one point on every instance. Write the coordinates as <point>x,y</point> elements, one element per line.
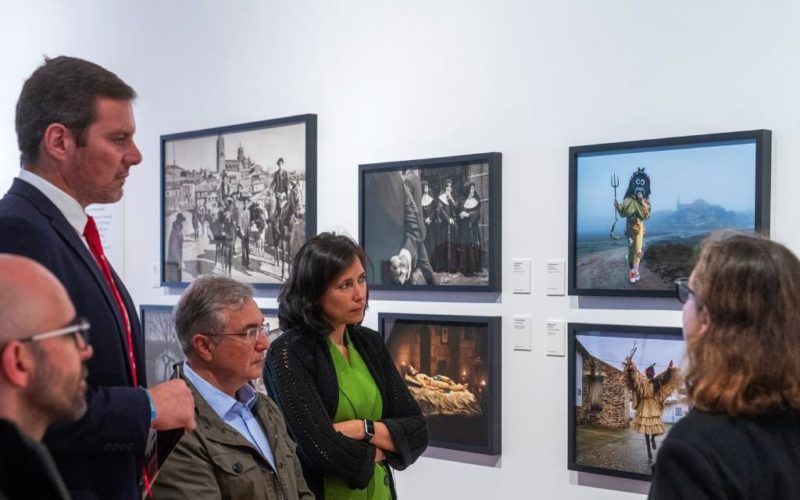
<point>152,406</point>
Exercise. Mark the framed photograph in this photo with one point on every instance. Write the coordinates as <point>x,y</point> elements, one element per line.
<point>451,365</point>
<point>638,210</point>
<point>626,391</point>
<point>238,201</point>
<point>432,224</point>
<point>162,348</point>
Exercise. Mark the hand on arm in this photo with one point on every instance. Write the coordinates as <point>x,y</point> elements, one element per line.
<point>174,406</point>
<point>354,429</point>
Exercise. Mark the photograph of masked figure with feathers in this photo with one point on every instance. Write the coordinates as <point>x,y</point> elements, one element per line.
<point>628,393</point>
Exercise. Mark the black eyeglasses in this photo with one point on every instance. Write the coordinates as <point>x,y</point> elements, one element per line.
<point>682,290</point>
<point>250,335</point>
<point>78,328</point>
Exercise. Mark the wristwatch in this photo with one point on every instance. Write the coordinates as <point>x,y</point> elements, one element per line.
<point>369,430</point>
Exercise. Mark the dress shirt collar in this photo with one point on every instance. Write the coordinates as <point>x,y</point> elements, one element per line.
<point>66,204</point>
<point>220,402</point>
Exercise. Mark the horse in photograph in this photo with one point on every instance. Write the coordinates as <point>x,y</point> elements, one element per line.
<point>297,233</point>
<point>291,229</point>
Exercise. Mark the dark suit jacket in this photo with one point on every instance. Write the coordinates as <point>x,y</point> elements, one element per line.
<point>391,222</point>
<point>414,186</point>
<point>100,456</point>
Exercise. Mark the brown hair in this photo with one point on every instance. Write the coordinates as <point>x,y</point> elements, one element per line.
<point>747,361</point>
<point>63,90</point>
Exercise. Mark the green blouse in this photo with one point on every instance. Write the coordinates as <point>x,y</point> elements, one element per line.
<point>359,398</point>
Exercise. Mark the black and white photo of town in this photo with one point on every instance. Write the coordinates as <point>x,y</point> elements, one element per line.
<point>234,205</point>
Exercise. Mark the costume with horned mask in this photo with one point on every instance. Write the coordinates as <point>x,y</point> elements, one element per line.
<point>635,207</point>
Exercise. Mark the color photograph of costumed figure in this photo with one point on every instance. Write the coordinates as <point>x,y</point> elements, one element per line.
<point>446,367</point>
<point>238,212</point>
<point>650,393</point>
<point>620,411</point>
<point>427,226</point>
<point>635,207</point>
<point>665,201</point>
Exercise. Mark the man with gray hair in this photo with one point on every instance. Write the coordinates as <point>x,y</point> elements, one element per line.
<point>241,448</point>
<point>43,348</point>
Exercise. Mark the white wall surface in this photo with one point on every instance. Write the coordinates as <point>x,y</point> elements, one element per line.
<point>417,79</point>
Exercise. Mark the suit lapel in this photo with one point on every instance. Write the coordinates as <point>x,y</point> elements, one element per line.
<point>71,238</point>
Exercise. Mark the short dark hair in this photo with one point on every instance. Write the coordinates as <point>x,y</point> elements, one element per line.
<point>315,266</point>
<point>200,308</point>
<point>745,362</point>
<point>63,90</point>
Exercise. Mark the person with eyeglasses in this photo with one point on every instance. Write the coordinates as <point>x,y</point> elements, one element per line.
<point>741,323</point>
<point>43,350</point>
<point>240,448</point>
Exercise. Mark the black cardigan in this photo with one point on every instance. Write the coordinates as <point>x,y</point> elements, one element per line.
<point>302,380</point>
<point>716,456</point>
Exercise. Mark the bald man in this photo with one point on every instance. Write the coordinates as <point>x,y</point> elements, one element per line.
<point>43,348</point>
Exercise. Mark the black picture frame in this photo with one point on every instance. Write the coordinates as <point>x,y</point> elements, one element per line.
<point>464,255</point>
<point>162,348</point>
<point>727,187</point>
<point>474,422</point>
<point>599,438</point>
<point>200,182</point>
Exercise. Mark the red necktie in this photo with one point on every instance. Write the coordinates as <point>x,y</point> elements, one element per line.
<point>93,239</point>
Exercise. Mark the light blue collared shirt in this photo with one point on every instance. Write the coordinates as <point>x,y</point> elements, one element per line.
<point>235,412</point>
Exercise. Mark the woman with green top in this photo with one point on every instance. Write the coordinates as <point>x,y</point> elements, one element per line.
<point>344,402</point>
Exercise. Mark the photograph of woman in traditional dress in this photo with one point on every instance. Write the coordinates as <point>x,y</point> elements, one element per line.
<point>469,233</point>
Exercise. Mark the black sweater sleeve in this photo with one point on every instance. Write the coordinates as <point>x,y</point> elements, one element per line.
<point>402,415</point>
<point>320,447</point>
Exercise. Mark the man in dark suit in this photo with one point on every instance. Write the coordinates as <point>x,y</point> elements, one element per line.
<point>75,129</point>
<point>394,237</point>
<point>414,185</point>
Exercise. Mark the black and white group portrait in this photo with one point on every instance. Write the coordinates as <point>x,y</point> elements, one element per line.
<point>237,201</point>
<point>432,223</point>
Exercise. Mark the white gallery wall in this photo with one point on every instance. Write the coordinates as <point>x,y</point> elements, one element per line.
<point>418,79</point>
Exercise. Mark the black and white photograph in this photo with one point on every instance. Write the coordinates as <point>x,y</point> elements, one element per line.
<point>432,224</point>
<point>451,365</point>
<point>626,393</point>
<point>163,349</point>
<point>238,201</point>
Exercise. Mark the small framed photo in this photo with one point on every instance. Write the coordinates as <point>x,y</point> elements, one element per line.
<point>433,224</point>
<point>451,365</point>
<point>626,391</point>
<point>237,201</point>
<point>163,349</point>
<point>639,210</point>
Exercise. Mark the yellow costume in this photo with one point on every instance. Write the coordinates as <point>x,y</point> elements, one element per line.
<point>649,395</point>
<point>636,211</point>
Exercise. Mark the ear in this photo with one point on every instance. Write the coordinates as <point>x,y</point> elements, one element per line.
<point>203,347</point>
<point>58,142</point>
<point>703,319</point>
<point>16,364</point>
